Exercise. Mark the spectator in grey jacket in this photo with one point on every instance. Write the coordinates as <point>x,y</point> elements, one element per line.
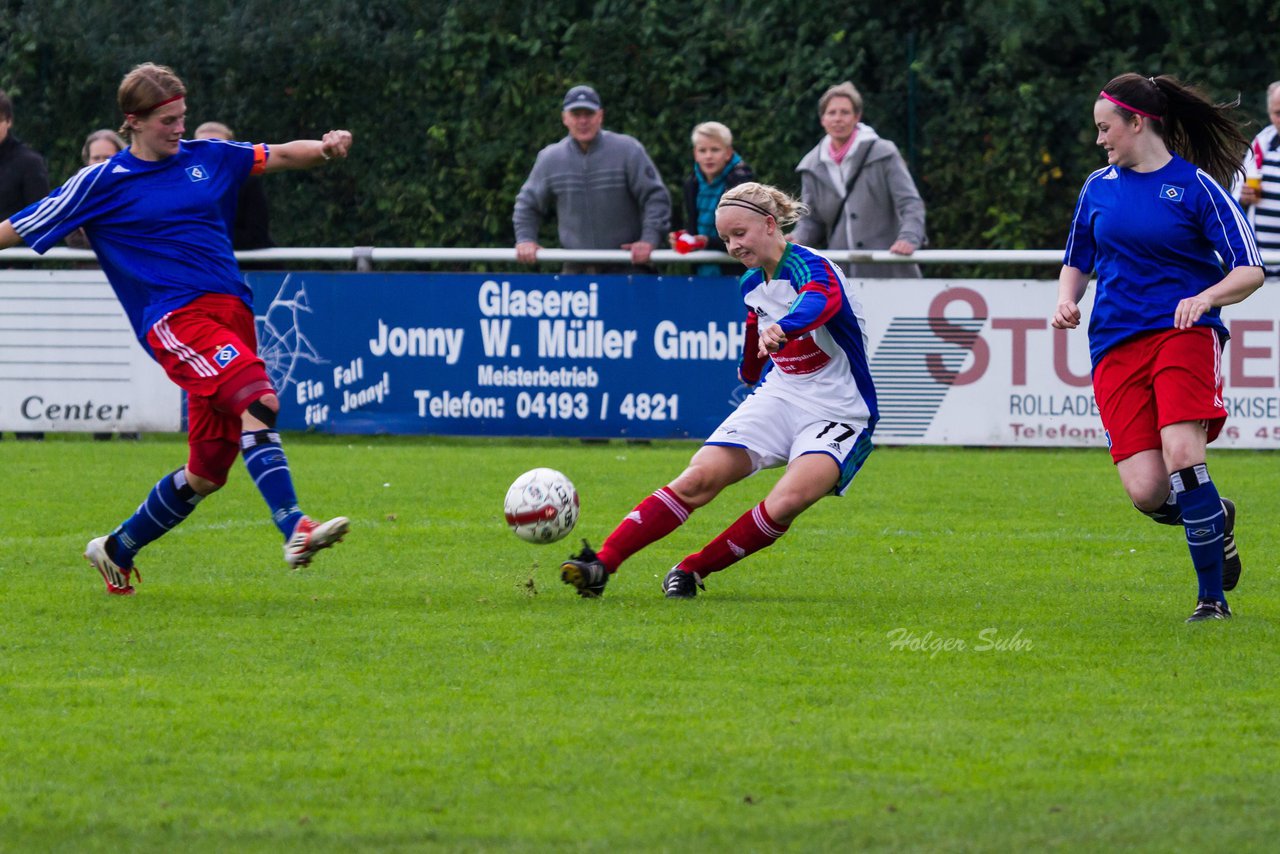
<point>881,210</point>
<point>605,191</point>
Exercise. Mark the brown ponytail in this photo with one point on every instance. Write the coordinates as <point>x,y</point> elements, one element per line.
<point>1191,125</point>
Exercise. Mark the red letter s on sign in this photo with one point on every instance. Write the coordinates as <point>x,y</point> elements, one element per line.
<point>963,334</point>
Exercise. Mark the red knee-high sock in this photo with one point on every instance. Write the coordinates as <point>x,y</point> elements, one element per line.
<point>753,531</point>
<point>653,518</point>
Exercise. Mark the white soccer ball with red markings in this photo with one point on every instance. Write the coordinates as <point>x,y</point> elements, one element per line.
<point>541,506</point>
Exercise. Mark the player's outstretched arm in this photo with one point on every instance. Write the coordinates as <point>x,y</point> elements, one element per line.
<point>8,235</point>
<point>308,153</point>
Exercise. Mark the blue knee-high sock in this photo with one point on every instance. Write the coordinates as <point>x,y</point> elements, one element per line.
<point>1205,522</point>
<point>170,501</point>
<point>267,465</point>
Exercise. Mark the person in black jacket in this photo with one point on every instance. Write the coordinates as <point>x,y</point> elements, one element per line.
<point>252,228</point>
<point>23,176</point>
<point>24,179</point>
<point>716,168</point>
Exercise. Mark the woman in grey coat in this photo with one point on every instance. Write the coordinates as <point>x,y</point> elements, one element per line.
<point>881,210</point>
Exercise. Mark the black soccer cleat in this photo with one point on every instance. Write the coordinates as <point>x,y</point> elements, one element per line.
<point>585,572</point>
<point>1230,554</point>
<point>1209,609</point>
<point>682,585</point>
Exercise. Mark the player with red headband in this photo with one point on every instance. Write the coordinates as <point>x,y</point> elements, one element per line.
<point>1170,247</point>
<point>159,215</point>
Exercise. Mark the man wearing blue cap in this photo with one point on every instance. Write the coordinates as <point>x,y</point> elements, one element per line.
<point>604,188</point>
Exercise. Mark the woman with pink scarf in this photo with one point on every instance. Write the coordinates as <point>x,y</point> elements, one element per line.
<point>859,192</point>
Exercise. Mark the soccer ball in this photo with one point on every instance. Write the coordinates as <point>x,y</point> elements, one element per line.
<point>541,506</point>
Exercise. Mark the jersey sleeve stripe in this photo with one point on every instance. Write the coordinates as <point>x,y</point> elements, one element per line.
<point>53,206</point>
<point>1241,236</point>
<point>820,296</point>
<point>1075,217</point>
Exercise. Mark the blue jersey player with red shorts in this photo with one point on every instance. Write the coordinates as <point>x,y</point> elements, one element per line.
<point>158,215</point>
<point>1170,247</point>
<point>813,410</point>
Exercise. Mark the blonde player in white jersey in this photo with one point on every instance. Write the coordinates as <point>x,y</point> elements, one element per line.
<point>813,412</point>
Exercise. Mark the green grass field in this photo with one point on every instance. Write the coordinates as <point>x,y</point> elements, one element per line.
<point>430,684</point>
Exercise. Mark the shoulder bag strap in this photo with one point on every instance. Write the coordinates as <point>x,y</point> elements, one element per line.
<point>853,179</point>
<point>848,187</point>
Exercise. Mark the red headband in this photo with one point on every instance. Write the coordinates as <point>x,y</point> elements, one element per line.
<point>177,97</point>
<point>1120,103</point>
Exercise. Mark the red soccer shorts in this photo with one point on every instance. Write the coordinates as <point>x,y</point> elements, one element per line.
<point>209,347</point>
<point>1158,379</point>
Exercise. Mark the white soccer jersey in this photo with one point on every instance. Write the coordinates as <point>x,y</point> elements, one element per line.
<point>823,368</point>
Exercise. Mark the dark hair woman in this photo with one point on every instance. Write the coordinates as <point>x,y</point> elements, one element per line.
<point>1170,247</point>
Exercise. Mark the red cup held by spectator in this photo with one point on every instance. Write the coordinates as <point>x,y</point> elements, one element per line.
<point>686,242</point>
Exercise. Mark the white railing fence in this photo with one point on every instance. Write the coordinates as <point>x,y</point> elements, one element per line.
<point>364,258</point>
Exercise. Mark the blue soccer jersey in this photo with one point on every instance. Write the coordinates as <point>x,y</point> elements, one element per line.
<point>1152,238</point>
<point>160,229</point>
<point>823,367</point>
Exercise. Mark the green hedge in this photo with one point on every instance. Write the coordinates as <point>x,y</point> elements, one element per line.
<point>450,102</point>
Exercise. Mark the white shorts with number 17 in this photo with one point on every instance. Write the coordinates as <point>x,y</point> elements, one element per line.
<point>774,432</point>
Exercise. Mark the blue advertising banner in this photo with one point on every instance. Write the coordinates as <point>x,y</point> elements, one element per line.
<point>501,355</point>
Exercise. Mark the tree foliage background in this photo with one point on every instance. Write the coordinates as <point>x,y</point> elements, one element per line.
<point>450,101</point>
